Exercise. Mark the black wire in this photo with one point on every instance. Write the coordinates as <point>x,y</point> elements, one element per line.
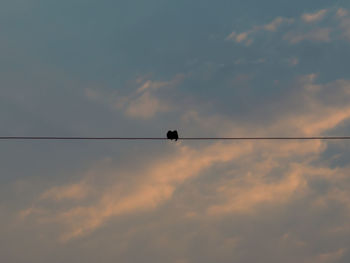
<point>273,138</point>
<point>162,138</point>
<point>76,138</point>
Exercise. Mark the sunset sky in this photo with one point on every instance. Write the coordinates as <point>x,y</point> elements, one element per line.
<point>136,68</point>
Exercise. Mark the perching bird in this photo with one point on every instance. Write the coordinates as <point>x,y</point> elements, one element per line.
<point>172,135</point>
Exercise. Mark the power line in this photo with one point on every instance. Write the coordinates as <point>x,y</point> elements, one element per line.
<point>76,138</point>
<point>273,138</point>
<point>162,138</point>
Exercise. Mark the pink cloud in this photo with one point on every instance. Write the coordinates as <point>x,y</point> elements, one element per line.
<point>314,17</point>
<point>315,35</point>
<point>143,103</point>
<point>245,186</point>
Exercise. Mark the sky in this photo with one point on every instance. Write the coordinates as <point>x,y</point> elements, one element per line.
<point>206,68</point>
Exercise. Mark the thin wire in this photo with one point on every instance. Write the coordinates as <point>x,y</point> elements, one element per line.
<point>76,138</point>
<point>185,138</point>
<point>273,138</point>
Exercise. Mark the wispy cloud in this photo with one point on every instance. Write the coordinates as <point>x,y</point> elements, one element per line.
<point>315,35</point>
<point>314,17</point>
<point>293,61</point>
<point>276,23</point>
<point>344,23</point>
<point>248,37</point>
<point>341,12</point>
<point>240,37</point>
<point>248,186</point>
<point>300,29</point>
<point>143,103</point>
<point>189,201</point>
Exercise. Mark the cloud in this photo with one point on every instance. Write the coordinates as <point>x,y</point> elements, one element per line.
<point>314,17</point>
<point>300,30</point>
<point>293,61</point>
<point>331,256</point>
<point>241,37</point>
<point>245,199</point>
<point>315,35</point>
<point>146,106</point>
<point>240,189</point>
<point>143,103</point>
<point>276,23</point>
<point>341,12</point>
<point>344,23</point>
<point>319,115</point>
<point>202,201</point>
<point>247,37</point>
<point>157,185</point>
<point>69,192</point>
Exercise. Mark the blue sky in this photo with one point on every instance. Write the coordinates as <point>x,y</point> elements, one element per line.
<point>208,68</point>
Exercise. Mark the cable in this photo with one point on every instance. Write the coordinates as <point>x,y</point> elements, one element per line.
<point>185,138</point>
<point>273,138</point>
<point>76,138</point>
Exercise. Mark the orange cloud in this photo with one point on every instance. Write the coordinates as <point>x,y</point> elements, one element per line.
<point>250,185</point>
<point>143,103</point>
<point>314,17</point>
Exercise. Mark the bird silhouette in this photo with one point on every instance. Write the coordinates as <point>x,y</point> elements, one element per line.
<point>172,135</point>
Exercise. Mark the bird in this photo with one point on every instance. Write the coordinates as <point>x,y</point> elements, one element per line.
<point>172,135</point>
